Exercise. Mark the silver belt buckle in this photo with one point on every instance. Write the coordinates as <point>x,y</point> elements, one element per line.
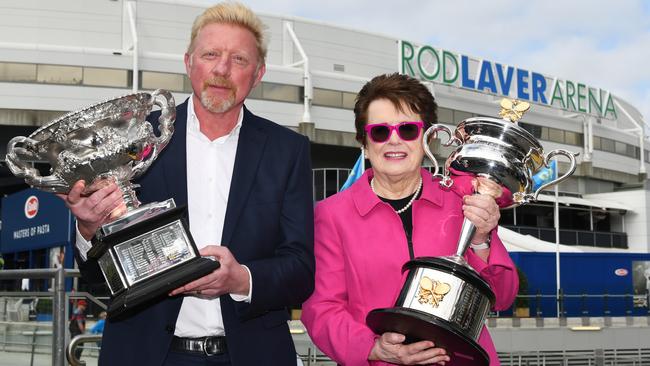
<point>205,348</point>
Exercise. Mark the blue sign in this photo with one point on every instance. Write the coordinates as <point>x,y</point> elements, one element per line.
<point>32,219</point>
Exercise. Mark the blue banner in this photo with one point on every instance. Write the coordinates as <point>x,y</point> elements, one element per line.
<point>545,175</point>
<point>355,174</point>
<point>32,219</point>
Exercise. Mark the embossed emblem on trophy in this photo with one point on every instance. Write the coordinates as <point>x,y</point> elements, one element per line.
<point>148,250</point>
<point>443,299</point>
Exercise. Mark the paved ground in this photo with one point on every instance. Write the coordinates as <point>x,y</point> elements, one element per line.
<point>25,359</point>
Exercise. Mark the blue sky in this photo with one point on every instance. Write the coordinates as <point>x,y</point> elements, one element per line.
<point>602,43</point>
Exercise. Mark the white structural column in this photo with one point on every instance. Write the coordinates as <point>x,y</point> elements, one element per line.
<point>640,130</point>
<point>309,90</point>
<point>131,9</point>
<point>556,216</point>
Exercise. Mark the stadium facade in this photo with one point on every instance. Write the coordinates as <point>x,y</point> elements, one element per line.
<point>60,56</point>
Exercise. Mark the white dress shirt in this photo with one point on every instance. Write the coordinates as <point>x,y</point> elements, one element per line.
<point>210,166</point>
<point>209,173</point>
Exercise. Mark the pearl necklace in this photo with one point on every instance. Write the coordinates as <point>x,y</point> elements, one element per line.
<point>415,194</point>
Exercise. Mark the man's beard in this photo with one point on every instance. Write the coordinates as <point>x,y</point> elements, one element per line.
<point>213,103</point>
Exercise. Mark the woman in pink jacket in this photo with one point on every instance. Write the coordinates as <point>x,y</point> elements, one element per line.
<point>393,213</point>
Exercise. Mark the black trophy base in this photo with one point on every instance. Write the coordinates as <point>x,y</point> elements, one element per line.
<point>130,252</point>
<point>418,326</point>
<point>139,295</point>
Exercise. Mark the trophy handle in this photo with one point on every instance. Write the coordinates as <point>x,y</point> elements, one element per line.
<point>20,168</point>
<point>572,159</point>
<point>445,179</point>
<point>165,100</point>
<point>17,166</point>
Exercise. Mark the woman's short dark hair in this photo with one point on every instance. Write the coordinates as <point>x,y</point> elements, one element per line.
<point>401,90</point>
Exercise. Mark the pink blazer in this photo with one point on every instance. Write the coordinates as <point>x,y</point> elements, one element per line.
<point>360,247</point>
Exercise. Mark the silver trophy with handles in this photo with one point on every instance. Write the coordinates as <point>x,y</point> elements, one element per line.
<point>147,250</point>
<point>443,299</point>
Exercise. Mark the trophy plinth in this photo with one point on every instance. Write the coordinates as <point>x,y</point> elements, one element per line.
<point>443,301</point>
<point>443,298</point>
<point>148,250</point>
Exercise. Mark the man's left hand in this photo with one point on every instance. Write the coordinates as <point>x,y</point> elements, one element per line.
<point>230,278</point>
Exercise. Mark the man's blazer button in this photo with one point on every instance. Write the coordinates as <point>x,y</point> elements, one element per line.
<point>169,328</point>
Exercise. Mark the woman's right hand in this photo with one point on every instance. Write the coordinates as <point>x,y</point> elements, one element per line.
<point>96,209</point>
<point>390,348</point>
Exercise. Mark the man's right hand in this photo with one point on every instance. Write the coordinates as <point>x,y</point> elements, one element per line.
<point>94,210</point>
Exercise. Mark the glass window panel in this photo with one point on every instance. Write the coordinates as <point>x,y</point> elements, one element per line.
<point>284,93</point>
<point>460,116</point>
<point>256,93</point>
<point>328,98</point>
<point>155,80</point>
<point>607,144</point>
<point>56,74</point>
<point>620,147</point>
<point>17,72</point>
<point>187,84</point>
<point>556,135</point>
<point>571,138</point>
<point>630,150</point>
<point>544,133</point>
<point>106,77</point>
<point>25,117</point>
<point>349,99</point>
<point>446,115</point>
<point>597,145</point>
<point>637,152</point>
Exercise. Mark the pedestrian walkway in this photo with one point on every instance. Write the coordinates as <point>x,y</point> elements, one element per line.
<point>40,359</point>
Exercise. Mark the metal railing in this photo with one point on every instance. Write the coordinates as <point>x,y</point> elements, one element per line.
<point>582,305</point>
<point>601,239</point>
<point>596,357</point>
<point>59,302</point>
<point>77,342</point>
<point>328,181</point>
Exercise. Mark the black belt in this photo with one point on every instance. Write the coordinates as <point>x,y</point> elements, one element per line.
<point>206,345</point>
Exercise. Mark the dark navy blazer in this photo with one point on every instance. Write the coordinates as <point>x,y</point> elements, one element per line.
<point>268,227</point>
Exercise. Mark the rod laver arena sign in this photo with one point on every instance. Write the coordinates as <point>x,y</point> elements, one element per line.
<point>445,67</point>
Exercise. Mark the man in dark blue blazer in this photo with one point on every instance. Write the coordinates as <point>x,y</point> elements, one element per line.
<point>237,315</point>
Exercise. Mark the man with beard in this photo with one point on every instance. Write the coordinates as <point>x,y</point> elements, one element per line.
<point>247,184</point>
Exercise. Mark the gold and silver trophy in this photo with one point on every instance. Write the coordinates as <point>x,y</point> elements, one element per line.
<point>443,299</point>
<point>147,251</point>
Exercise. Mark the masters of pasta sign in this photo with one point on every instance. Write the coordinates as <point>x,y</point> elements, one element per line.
<point>33,219</point>
<point>442,66</point>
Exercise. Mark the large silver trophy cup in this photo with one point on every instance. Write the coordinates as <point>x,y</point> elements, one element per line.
<point>443,299</point>
<point>147,250</point>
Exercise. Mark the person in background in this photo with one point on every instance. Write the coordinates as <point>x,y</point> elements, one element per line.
<point>58,261</point>
<point>77,323</point>
<point>98,328</point>
<point>395,212</point>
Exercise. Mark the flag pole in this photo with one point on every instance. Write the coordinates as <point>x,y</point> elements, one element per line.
<point>556,217</point>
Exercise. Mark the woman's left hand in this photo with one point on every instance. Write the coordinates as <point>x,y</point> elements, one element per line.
<point>483,212</point>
